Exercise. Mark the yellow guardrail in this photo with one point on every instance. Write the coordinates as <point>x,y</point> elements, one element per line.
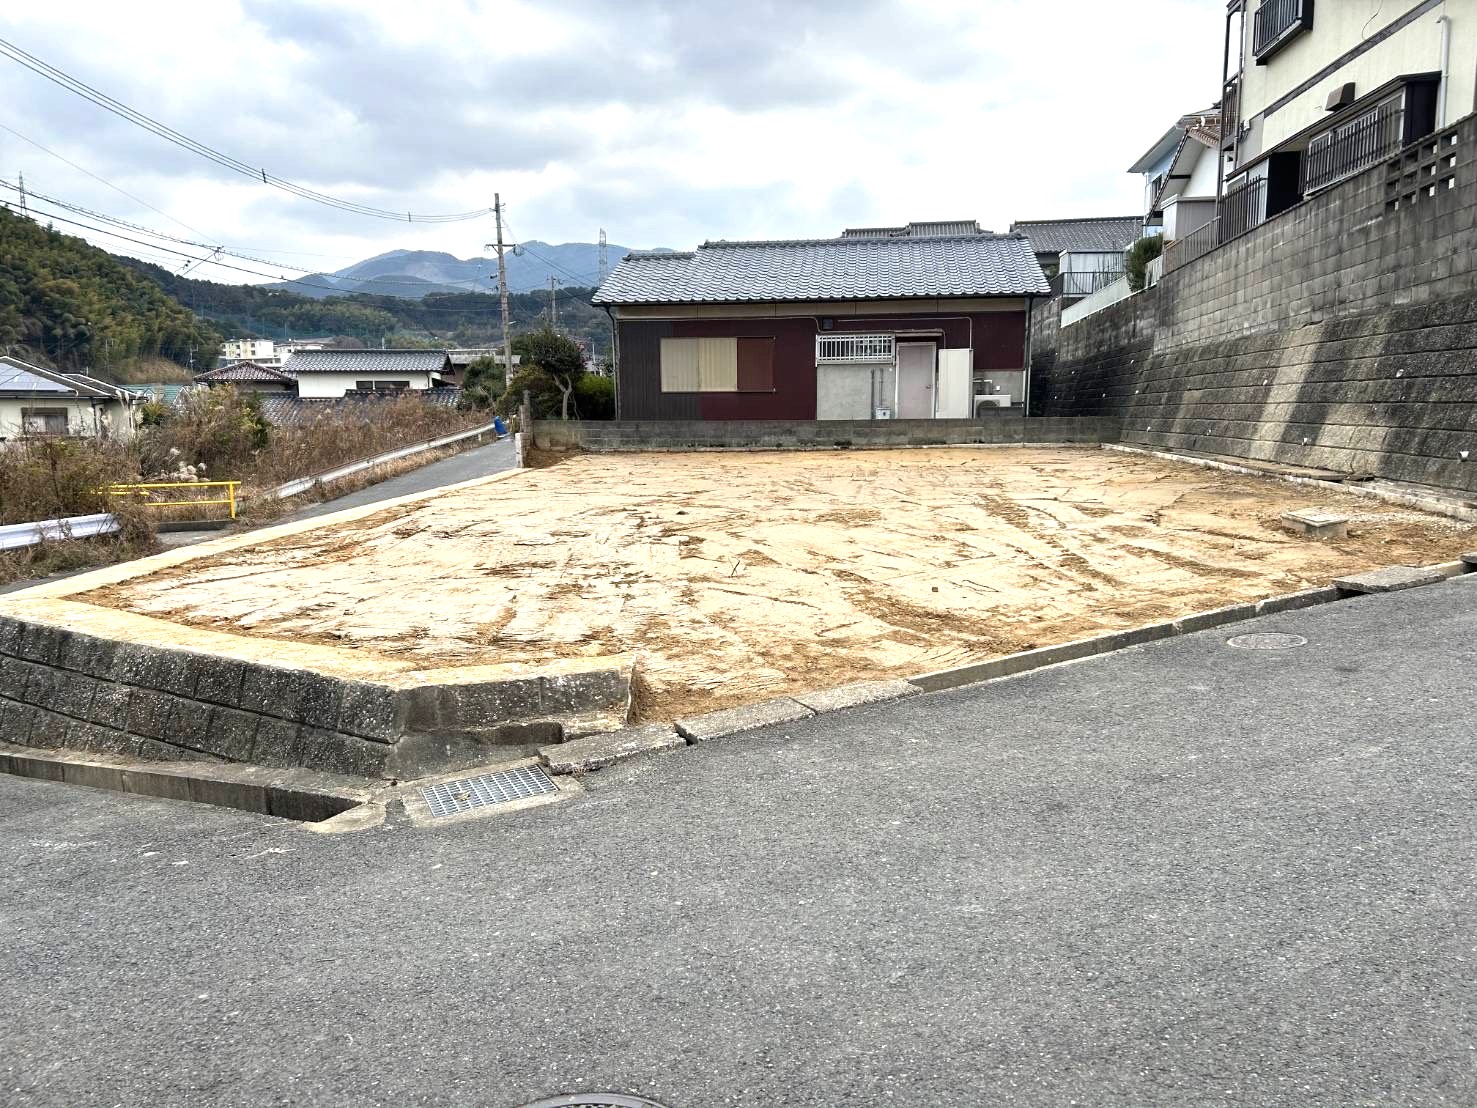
<point>147,491</point>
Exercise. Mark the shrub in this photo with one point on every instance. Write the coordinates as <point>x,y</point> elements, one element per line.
<point>350,433</point>
<point>218,430</point>
<point>594,397</point>
<point>1139,255</point>
<point>55,478</point>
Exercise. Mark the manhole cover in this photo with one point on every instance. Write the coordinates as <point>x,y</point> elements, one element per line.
<point>594,1100</point>
<point>451,798</point>
<point>1267,640</point>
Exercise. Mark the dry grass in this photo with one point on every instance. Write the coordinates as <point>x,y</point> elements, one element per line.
<point>343,435</point>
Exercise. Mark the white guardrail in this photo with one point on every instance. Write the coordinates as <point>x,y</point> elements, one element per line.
<point>303,484</point>
<point>14,536</point>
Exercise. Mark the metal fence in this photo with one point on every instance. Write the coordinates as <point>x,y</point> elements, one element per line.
<point>1354,146</point>
<point>1083,283</point>
<point>1273,20</point>
<point>1198,242</point>
<point>1243,208</point>
<point>855,348</point>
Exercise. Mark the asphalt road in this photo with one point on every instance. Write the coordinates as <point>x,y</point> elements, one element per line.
<point>1184,874</point>
<point>480,461</point>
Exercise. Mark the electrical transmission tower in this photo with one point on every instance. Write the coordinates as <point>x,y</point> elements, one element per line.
<point>604,257</point>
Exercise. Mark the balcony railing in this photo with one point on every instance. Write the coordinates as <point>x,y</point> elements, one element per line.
<point>1243,208</point>
<point>855,348</point>
<point>1276,21</point>
<point>1083,283</point>
<point>1185,250</point>
<point>1230,112</point>
<point>1354,146</point>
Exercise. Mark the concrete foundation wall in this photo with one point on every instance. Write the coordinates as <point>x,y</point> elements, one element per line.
<point>1005,428</point>
<point>64,689</point>
<point>1340,335</point>
<point>851,390</point>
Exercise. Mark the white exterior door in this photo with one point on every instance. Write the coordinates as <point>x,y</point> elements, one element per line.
<point>915,380</point>
<point>956,384</point>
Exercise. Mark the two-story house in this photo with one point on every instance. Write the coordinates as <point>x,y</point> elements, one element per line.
<point>1315,92</point>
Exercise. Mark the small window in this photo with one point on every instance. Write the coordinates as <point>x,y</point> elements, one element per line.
<point>756,365</point>
<point>44,421</point>
<point>699,365</point>
<point>380,386</point>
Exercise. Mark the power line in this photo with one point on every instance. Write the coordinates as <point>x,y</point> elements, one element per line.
<point>78,209</point>
<point>100,180</point>
<point>169,134</point>
<point>37,216</point>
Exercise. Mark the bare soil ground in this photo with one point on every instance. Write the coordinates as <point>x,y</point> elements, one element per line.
<point>740,576</point>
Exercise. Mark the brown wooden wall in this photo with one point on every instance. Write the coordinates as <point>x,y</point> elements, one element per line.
<point>998,339</point>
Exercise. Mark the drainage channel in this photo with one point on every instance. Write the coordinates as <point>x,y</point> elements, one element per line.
<point>594,1100</point>
<point>302,796</point>
<point>467,795</point>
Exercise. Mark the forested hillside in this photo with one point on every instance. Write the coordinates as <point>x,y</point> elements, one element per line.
<point>454,319</point>
<point>70,305</point>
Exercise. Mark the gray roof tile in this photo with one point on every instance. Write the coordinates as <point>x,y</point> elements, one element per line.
<point>1102,234</point>
<point>242,371</point>
<point>366,361</point>
<point>829,269</point>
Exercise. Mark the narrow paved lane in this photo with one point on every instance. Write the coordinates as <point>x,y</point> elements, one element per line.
<point>480,461</point>
<point>1183,874</point>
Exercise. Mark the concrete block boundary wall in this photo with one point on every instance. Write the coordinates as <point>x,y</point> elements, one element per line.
<point>1340,335</point>
<point>61,688</point>
<point>681,434</point>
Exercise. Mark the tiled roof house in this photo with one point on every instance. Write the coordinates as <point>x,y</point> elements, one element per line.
<point>918,321</point>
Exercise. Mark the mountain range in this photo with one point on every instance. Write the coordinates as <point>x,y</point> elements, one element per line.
<point>412,274</point>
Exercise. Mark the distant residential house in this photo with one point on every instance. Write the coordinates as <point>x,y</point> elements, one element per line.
<point>1317,94</point>
<point>461,357</point>
<point>249,377</point>
<point>249,350</point>
<point>321,374</point>
<point>40,402</point>
<point>264,351</point>
<point>923,321</point>
<point>1080,256</point>
<point>1180,174</point>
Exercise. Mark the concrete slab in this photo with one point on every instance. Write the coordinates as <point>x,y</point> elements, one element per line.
<point>850,696</point>
<point>598,751</point>
<point>1389,579</point>
<point>1315,523</point>
<point>1470,558</point>
<point>731,721</point>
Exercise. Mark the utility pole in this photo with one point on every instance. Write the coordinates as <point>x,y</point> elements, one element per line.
<point>502,285</point>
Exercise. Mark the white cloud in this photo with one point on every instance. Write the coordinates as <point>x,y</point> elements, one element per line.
<point>665,123</point>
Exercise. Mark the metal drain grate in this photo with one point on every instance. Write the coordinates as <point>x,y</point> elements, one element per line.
<point>1267,640</point>
<point>594,1100</point>
<point>451,798</point>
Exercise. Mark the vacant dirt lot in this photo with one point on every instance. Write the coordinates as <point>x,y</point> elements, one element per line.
<point>739,576</point>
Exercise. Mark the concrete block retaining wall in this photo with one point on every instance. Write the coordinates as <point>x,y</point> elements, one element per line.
<point>676,434</point>
<point>1340,335</point>
<point>64,689</point>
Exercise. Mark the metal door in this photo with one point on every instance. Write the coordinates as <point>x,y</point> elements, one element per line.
<point>915,373</point>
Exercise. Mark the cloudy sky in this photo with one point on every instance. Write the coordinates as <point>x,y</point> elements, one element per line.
<point>663,121</point>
